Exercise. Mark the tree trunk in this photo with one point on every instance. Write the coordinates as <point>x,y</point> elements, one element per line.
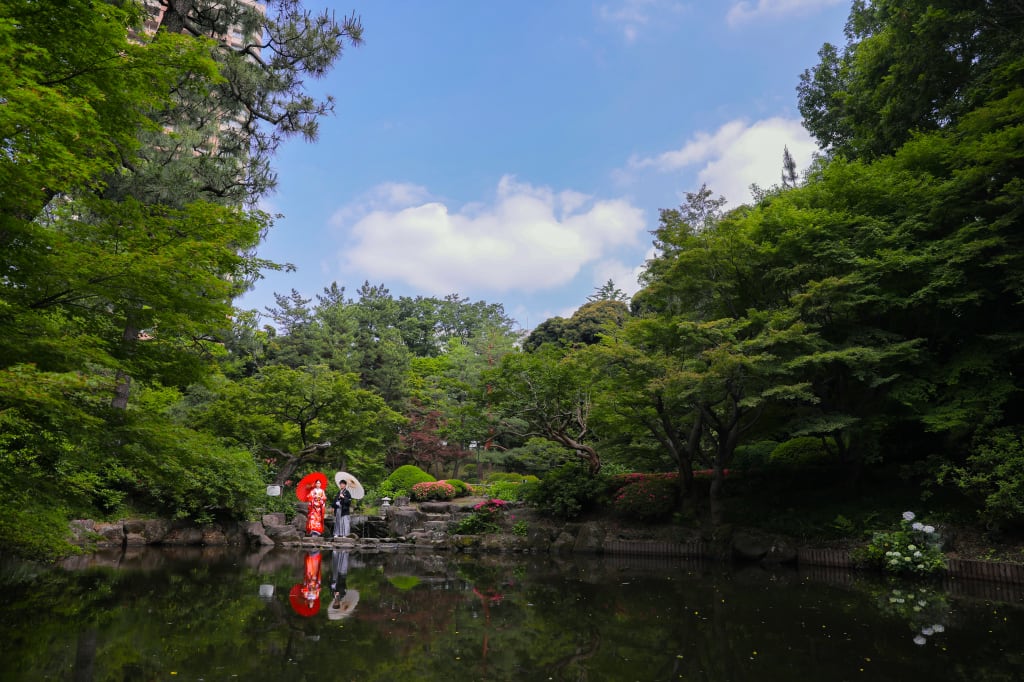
<point>123,382</point>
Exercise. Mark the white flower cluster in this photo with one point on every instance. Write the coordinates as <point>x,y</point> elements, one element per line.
<point>916,548</point>
<point>927,631</point>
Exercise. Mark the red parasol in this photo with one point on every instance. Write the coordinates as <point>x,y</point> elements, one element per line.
<point>308,482</point>
<point>301,606</point>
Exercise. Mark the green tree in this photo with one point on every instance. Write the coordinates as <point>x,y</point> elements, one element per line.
<point>546,393</point>
<point>608,292</point>
<point>585,327</point>
<point>302,417</point>
<point>909,67</point>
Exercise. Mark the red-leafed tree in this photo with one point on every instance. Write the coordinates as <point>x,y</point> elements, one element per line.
<point>425,441</point>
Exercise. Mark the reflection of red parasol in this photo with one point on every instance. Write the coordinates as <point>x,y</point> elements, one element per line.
<point>297,597</point>
<point>307,483</point>
<point>355,488</point>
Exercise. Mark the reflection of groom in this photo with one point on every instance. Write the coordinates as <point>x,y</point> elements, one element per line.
<point>339,573</point>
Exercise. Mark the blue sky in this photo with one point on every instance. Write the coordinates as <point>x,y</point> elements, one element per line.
<point>519,152</point>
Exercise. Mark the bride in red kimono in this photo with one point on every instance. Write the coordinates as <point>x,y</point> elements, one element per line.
<point>317,500</point>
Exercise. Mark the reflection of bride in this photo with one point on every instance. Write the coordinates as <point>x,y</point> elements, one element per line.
<point>311,579</point>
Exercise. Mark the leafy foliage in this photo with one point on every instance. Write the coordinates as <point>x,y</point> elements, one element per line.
<point>646,497</point>
<point>915,548</point>
<point>993,475</point>
<point>567,492</point>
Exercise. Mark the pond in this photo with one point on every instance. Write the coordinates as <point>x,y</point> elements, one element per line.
<point>223,614</point>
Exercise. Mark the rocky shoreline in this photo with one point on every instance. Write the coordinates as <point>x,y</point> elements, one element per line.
<point>428,526</point>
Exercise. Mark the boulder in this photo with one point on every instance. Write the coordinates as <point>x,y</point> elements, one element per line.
<point>110,534</point>
<point>274,519</point>
<point>145,531</point>
<point>402,521</point>
<point>590,539</point>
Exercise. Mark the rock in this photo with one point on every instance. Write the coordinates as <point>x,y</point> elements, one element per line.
<point>563,543</point>
<point>274,519</point>
<point>184,535</point>
<point>590,539</point>
<point>110,534</point>
<point>145,531</point>
<point>283,533</point>
<point>747,547</point>
<point>437,507</point>
<point>402,521</point>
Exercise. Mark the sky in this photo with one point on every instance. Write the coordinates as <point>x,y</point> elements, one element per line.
<point>519,152</point>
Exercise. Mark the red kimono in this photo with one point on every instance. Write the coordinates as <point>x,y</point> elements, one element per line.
<point>317,500</point>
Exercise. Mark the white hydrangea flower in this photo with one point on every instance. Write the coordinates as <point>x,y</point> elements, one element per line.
<point>908,516</point>
<point>920,640</point>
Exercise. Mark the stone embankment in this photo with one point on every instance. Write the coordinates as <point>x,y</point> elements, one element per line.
<point>428,526</point>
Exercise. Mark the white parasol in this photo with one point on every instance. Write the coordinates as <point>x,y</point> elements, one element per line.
<point>354,486</point>
<point>344,607</point>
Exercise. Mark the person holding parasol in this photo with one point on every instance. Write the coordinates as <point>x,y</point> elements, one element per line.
<point>316,499</point>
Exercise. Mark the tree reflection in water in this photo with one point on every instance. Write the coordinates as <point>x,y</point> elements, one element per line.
<point>207,614</point>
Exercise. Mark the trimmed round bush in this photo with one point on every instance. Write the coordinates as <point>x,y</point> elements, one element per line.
<point>405,477</point>
<point>799,452</point>
<point>461,488</point>
<point>753,455</point>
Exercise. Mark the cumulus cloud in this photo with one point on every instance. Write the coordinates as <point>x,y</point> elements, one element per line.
<point>632,16</point>
<point>746,11</point>
<point>525,238</point>
<point>736,155</point>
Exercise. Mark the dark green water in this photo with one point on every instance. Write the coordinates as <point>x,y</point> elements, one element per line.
<point>221,615</point>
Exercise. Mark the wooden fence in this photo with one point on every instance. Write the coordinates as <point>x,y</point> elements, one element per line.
<point>958,569</point>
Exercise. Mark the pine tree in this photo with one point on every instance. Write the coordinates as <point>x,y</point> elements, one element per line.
<point>789,177</point>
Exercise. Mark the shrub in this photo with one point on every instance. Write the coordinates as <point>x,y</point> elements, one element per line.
<point>915,548</point>
<point>799,452</point>
<point>647,496</point>
<point>505,490</point>
<point>753,455</point>
<point>485,518</point>
<point>402,479</point>
<point>461,488</point>
<point>994,476</point>
<point>433,490</point>
<point>566,492</point>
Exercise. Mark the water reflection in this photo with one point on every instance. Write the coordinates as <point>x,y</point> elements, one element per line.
<point>343,599</point>
<point>305,596</point>
<point>209,615</point>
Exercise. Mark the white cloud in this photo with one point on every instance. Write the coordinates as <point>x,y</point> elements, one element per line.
<point>736,155</point>
<point>526,238</point>
<point>746,11</point>
<point>631,16</point>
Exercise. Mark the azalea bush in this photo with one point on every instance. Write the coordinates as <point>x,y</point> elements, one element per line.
<point>487,517</point>
<point>433,490</point>
<point>646,496</point>
<point>916,548</point>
